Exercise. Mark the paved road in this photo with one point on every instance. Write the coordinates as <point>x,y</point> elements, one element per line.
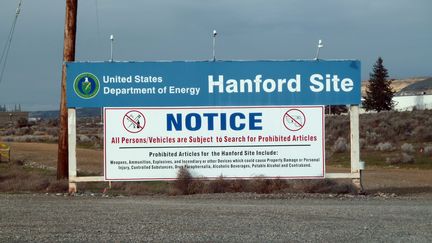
<point>215,218</point>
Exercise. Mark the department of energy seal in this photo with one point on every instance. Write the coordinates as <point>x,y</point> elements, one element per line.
<point>86,85</point>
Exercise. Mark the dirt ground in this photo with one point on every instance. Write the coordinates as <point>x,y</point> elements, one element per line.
<point>375,179</point>
<point>89,160</point>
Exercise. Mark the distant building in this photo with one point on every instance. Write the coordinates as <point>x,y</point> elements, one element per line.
<point>411,102</point>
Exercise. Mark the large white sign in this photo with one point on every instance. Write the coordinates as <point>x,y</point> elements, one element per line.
<point>234,142</point>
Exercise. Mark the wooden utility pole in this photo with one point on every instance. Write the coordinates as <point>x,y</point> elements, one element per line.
<point>68,56</point>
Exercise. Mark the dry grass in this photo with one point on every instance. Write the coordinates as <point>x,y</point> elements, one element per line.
<point>139,188</point>
<point>89,160</point>
<point>16,177</point>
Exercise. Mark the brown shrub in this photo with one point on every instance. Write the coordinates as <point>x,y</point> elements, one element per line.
<point>184,179</point>
<point>218,186</point>
<point>238,186</point>
<point>265,186</point>
<point>196,187</point>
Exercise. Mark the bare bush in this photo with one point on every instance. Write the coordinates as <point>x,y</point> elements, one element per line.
<point>184,179</point>
<point>53,131</point>
<point>7,139</point>
<point>423,133</point>
<point>23,131</point>
<point>362,142</point>
<point>261,186</point>
<point>337,126</point>
<point>38,133</point>
<point>265,186</point>
<point>196,187</point>
<point>403,158</point>
<point>278,185</point>
<point>84,139</point>
<point>53,122</point>
<point>340,145</point>
<point>393,160</point>
<point>428,150</point>
<point>372,138</point>
<point>21,122</point>
<point>396,126</point>
<point>8,132</point>
<point>407,148</point>
<point>238,186</point>
<point>218,186</point>
<point>385,147</point>
<point>407,159</point>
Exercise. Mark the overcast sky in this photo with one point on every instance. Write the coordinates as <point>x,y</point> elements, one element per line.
<point>397,30</point>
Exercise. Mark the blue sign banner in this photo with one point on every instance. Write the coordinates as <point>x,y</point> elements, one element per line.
<point>206,83</point>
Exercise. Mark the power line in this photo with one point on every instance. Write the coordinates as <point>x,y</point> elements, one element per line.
<point>5,52</point>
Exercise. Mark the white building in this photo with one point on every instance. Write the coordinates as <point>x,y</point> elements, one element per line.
<point>410,102</point>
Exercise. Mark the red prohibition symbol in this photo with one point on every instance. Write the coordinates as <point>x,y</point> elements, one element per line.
<point>294,120</point>
<point>134,121</point>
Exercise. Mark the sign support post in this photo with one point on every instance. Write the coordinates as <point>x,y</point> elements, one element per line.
<point>355,146</point>
<point>72,148</point>
<point>72,166</point>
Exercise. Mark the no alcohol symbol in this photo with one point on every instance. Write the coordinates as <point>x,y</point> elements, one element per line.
<point>294,120</point>
<point>134,121</point>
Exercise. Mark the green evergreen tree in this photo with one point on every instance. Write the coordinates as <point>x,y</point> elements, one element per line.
<point>379,93</point>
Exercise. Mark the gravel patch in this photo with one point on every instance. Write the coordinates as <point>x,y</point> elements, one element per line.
<point>239,217</point>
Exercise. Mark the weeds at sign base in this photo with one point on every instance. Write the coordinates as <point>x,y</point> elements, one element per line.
<point>187,185</point>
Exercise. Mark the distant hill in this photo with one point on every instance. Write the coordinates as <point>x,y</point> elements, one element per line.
<point>424,86</point>
<point>398,84</point>
<point>81,112</point>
